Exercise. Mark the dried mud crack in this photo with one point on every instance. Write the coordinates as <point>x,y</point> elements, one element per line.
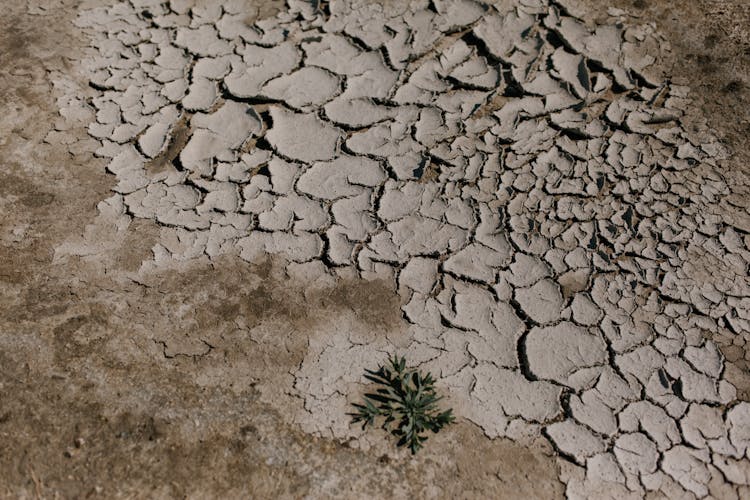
<point>518,196</point>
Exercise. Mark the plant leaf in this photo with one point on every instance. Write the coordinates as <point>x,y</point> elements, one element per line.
<point>406,399</point>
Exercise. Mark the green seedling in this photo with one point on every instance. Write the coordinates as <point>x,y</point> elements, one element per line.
<point>407,400</point>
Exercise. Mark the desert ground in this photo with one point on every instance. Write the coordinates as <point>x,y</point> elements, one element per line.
<point>216,214</point>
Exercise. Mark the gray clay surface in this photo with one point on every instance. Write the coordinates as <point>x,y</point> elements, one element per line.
<point>526,198</point>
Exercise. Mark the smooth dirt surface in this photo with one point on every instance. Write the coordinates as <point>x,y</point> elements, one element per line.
<point>215,219</point>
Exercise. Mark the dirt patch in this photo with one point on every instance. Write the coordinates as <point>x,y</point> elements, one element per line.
<point>501,468</point>
<point>121,394</point>
<point>112,402</point>
<point>87,451</point>
<point>374,302</point>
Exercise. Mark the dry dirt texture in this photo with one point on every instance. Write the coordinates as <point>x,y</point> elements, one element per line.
<point>138,360</point>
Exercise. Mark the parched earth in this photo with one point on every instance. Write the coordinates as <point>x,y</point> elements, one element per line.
<point>217,214</point>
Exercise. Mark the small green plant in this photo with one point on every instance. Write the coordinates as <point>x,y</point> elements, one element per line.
<point>407,400</point>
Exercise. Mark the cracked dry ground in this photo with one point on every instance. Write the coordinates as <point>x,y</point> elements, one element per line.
<point>217,214</point>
